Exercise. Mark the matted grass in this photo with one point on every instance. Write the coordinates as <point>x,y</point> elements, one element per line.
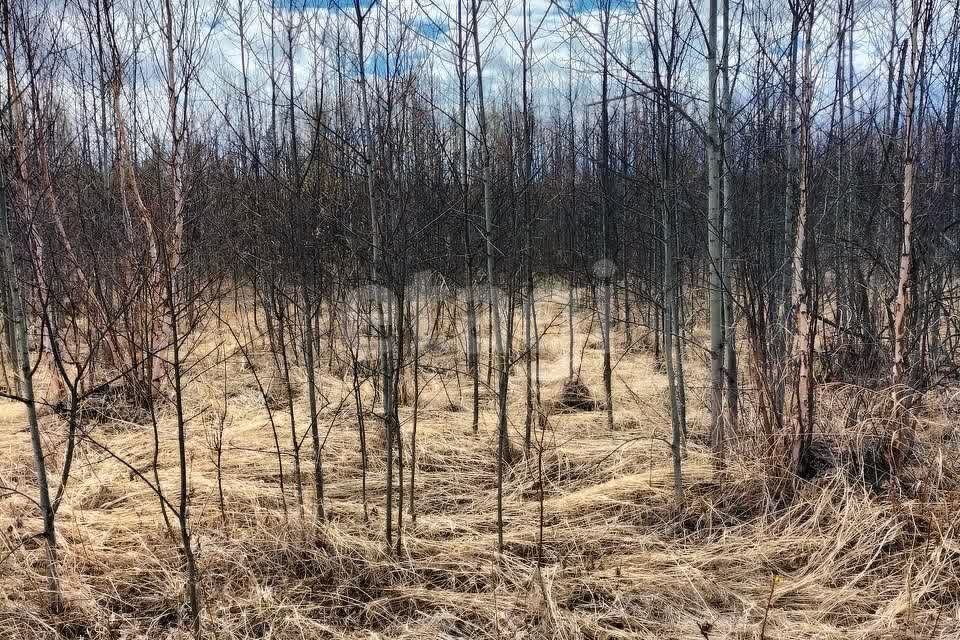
<point>619,558</point>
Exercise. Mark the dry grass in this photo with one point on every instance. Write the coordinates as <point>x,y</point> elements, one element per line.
<point>620,560</point>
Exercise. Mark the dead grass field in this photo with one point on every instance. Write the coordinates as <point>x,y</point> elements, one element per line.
<point>620,560</point>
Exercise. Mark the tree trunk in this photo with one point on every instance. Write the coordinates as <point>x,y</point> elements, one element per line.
<point>25,379</point>
<point>801,378</point>
<point>901,313</point>
<point>715,239</point>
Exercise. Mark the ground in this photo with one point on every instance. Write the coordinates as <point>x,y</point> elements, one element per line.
<point>620,558</point>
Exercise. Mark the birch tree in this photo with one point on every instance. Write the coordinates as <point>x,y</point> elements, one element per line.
<point>921,16</point>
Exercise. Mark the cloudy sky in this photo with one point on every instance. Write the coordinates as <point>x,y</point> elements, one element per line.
<point>420,36</point>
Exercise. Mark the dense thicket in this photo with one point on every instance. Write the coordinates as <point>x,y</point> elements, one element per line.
<point>768,168</point>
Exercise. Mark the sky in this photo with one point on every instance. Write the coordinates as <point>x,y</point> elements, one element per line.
<point>429,28</point>
<point>559,54</point>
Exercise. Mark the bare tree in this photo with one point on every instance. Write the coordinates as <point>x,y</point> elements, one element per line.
<point>921,16</point>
